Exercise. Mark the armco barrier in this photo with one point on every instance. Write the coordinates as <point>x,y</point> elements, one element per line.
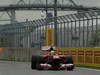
<point>84,56</point>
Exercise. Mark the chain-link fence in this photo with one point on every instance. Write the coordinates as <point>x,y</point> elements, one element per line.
<point>74,30</point>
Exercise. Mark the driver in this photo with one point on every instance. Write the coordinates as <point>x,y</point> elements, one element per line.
<point>52,51</point>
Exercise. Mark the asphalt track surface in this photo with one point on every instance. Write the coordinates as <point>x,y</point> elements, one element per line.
<point>20,68</point>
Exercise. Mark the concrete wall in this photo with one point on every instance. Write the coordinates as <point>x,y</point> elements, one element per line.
<point>18,54</point>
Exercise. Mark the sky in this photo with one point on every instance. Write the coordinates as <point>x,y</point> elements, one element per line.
<point>32,15</point>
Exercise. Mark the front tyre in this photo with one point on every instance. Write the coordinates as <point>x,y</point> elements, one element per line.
<point>33,62</point>
<point>39,61</point>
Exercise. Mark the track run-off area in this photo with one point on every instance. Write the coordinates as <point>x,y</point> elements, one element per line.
<point>23,68</point>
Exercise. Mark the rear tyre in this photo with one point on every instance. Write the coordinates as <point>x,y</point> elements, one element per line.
<point>69,60</point>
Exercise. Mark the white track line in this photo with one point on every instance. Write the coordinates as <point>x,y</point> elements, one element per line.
<point>91,69</point>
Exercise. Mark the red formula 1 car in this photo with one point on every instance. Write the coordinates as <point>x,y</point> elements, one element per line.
<point>52,61</point>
